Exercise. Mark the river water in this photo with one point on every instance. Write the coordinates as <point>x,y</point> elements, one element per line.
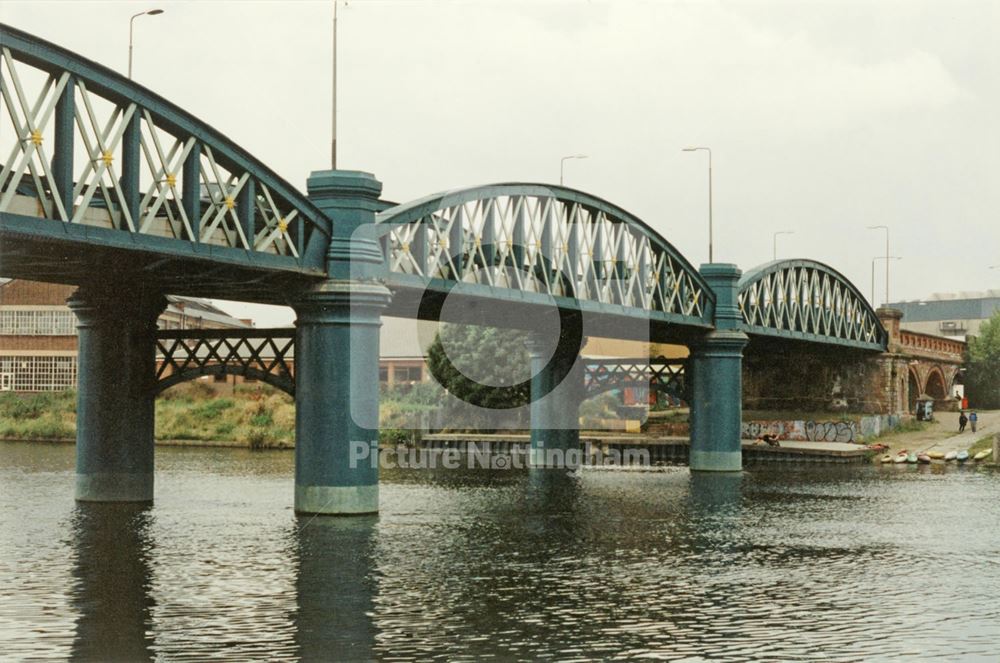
<point>780,563</point>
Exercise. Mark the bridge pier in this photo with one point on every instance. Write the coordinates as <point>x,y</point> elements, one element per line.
<point>555,408</point>
<point>115,393</point>
<point>336,356</point>
<point>716,376</point>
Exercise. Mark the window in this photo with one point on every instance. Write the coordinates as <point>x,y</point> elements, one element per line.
<point>33,373</point>
<point>21,322</point>
<point>383,373</point>
<point>407,374</point>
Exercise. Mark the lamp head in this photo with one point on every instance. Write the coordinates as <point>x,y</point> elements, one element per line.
<point>154,12</point>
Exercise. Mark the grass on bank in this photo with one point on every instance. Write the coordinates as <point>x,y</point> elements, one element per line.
<point>256,416</point>
<point>253,414</point>
<point>42,416</point>
<point>982,444</point>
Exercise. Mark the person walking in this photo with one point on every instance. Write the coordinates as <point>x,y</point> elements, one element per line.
<point>962,420</point>
<point>973,418</point>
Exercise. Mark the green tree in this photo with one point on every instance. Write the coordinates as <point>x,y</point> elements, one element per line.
<point>482,365</point>
<point>982,375</point>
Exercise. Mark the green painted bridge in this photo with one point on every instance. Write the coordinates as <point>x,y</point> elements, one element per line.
<point>107,186</point>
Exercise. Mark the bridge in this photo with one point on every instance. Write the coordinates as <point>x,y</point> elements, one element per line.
<point>109,187</point>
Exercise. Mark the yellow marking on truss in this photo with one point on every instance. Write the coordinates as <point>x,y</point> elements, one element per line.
<point>230,203</point>
<point>406,247</point>
<point>171,180</point>
<point>36,137</point>
<point>107,157</point>
<point>282,225</point>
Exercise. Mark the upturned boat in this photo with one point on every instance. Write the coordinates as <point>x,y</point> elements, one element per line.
<point>962,456</point>
<point>923,458</point>
<point>900,457</point>
<point>982,455</point>
<point>951,455</point>
<point>911,457</point>
<point>936,455</point>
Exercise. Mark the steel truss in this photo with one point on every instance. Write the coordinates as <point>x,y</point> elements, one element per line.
<point>658,374</point>
<point>807,300</point>
<point>260,354</point>
<point>531,238</point>
<point>85,146</point>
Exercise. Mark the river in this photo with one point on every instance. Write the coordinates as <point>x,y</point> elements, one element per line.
<point>783,562</point>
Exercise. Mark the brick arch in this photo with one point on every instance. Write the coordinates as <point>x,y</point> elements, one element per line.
<point>913,389</point>
<point>936,385</point>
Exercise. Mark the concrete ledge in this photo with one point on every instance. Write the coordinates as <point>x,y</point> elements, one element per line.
<point>716,461</point>
<point>336,500</point>
<point>114,487</point>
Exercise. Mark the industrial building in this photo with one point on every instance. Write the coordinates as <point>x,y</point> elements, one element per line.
<point>38,341</point>
<point>955,315</point>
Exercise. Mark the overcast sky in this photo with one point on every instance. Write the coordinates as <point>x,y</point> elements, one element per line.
<point>824,117</point>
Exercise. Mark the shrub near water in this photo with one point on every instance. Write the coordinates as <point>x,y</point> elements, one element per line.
<point>260,417</point>
<point>41,416</point>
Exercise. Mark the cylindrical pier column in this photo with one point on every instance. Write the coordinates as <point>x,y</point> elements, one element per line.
<point>555,408</point>
<point>716,366</point>
<point>336,355</point>
<point>116,372</point>
<point>336,399</point>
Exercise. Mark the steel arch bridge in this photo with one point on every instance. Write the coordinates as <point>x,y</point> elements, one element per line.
<point>102,171</point>
<point>106,185</point>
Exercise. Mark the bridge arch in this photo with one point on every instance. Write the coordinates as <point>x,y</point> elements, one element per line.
<point>936,385</point>
<point>530,243</point>
<point>657,374</point>
<point>266,355</point>
<point>151,179</point>
<point>914,388</point>
<point>806,300</point>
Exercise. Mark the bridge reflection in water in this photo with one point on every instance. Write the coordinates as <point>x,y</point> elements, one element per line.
<point>461,564</point>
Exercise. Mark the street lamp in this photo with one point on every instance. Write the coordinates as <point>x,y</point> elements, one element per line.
<point>886,229</point>
<point>774,240</point>
<point>887,259</point>
<point>709,150</point>
<point>131,21</point>
<point>562,163</point>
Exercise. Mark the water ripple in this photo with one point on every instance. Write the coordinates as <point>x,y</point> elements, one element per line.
<point>838,564</point>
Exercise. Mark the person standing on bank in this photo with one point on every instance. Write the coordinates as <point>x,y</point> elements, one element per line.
<point>962,420</point>
<point>973,418</point>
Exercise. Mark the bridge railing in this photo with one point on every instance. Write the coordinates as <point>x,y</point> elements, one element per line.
<point>546,240</point>
<point>85,146</point>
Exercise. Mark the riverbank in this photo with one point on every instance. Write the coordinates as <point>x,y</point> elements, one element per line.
<point>252,417</point>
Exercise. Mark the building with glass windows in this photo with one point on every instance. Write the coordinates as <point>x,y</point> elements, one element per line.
<point>38,343</point>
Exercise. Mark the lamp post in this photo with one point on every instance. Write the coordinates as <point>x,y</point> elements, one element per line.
<point>562,164</point>
<point>887,259</point>
<point>886,229</point>
<point>131,22</point>
<point>333,110</point>
<point>774,240</point>
<point>709,150</point>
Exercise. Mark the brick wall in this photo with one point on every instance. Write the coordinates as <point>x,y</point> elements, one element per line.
<point>34,293</point>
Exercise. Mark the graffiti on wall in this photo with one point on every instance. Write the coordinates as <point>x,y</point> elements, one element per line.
<point>831,431</point>
<point>864,428</point>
